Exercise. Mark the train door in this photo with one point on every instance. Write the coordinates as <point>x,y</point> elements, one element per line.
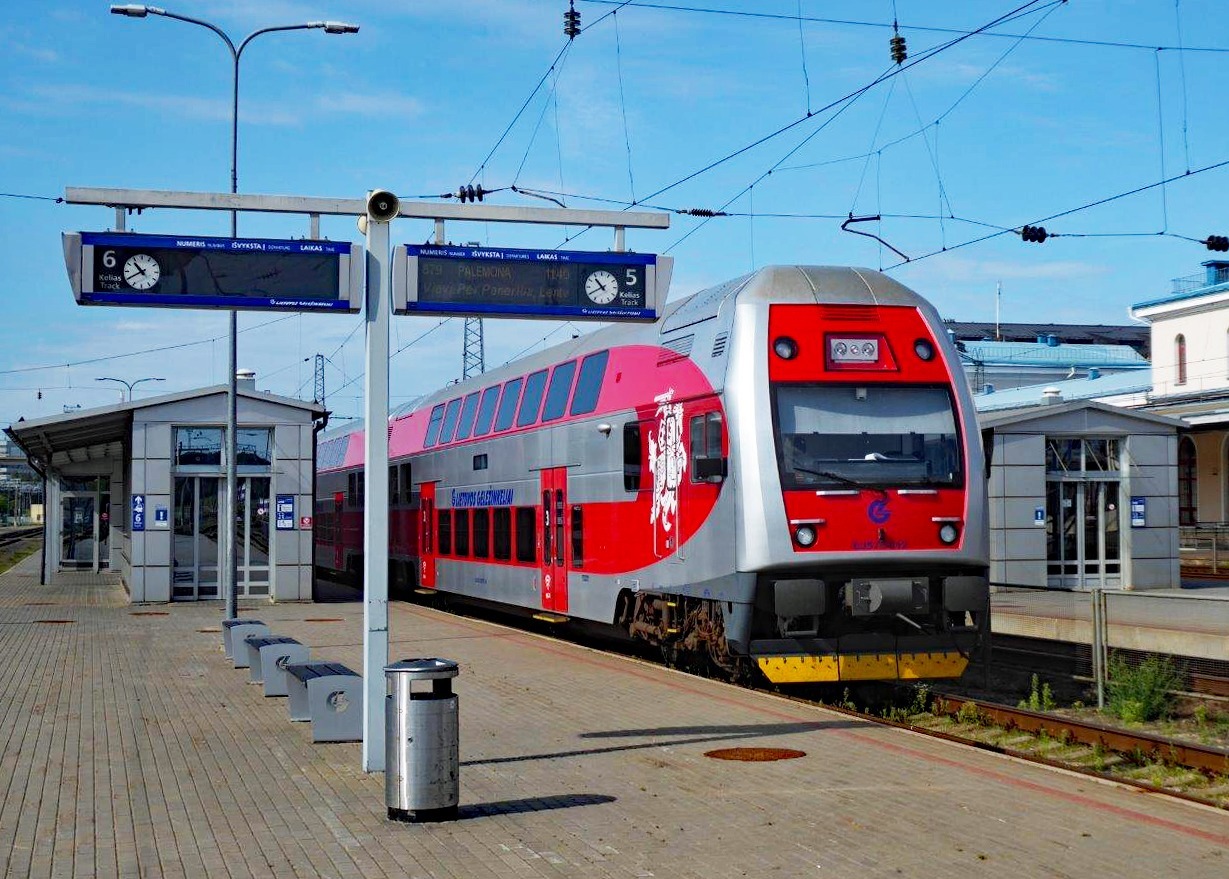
<point>339,546</point>
<point>554,540</point>
<point>426,536</point>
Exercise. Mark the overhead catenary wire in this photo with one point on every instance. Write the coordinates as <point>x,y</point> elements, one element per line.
<point>781,16</point>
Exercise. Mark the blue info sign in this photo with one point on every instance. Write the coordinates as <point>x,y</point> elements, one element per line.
<point>1139,512</point>
<point>285,512</point>
<point>138,512</point>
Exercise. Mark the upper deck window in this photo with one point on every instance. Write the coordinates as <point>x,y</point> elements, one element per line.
<point>433,426</point>
<point>876,435</point>
<point>532,401</point>
<point>450,420</point>
<point>467,416</point>
<point>589,384</point>
<point>557,392</point>
<point>486,411</point>
<point>507,404</point>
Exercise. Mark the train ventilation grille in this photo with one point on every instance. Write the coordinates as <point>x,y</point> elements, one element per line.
<point>850,312</point>
<point>676,349</point>
<point>719,344</point>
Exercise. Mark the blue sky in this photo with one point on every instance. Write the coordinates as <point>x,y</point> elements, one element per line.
<point>642,99</point>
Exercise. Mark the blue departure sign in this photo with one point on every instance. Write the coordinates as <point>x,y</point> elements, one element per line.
<point>511,282</point>
<point>180,271</point>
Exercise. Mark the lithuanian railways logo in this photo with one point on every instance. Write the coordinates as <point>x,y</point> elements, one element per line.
<point>667,460</point>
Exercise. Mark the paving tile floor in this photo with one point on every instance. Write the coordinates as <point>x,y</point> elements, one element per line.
<point>129,746</point>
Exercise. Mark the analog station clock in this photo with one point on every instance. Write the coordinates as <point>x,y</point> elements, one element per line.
<point>141,271</point>
<point>601,287</point>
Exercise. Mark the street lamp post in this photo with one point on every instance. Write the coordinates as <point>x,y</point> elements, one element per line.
<point>129,385</point>
<point>132,10</point>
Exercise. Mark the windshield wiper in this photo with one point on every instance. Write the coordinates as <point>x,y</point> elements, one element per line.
<point>828,474</point>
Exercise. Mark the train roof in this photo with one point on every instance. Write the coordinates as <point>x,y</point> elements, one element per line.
<point>828,285</point>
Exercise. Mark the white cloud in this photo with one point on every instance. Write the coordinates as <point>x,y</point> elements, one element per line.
<point>386,104</point>
<point>58,98</point>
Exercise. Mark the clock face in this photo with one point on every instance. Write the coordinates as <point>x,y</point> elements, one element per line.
<point>141,271</point>
<point>601,287</point>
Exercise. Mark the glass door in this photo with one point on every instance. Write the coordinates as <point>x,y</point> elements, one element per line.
<point>78,542</point>
<point>252,536</point>
<point>195,540</point>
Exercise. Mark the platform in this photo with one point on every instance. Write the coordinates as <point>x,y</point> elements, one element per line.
<point>129,746</point>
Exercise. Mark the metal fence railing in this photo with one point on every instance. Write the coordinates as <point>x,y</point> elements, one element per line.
<point>1190,627</point>
<point>1204,549</point>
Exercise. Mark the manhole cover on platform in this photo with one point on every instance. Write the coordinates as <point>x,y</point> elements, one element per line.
<point>55,622</point>
<point>755,755</point>
<point>148,613</point>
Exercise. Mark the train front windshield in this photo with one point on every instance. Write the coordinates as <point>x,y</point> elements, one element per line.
<point>866,436</point>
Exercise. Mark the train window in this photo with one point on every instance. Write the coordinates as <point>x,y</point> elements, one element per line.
<point>502,543</point>
<point>433,426</point>
<point>507,404</point>
<point>531,402</point>
<point>394,485</point>
<point>482,533</point>
<point>526,534</point>
<point>468,411</point>
<point>362,487</point>
<point>450,420</point>
<point>705,443</point>
<point>480,462</point>
<point>445,532</point>
<point>557,392</point>
<point>578,537</point>
<point>631,456</point>
<point>486,411</point>
<point>352,490</point>
<point>546,541</point>
<point>406,483</point>
<point>592,371</point>
<point>460,532</point>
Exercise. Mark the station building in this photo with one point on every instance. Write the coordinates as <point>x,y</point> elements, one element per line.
<point>140,488</point>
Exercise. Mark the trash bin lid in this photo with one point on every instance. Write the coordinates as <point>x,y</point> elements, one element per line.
<point>423,669</point>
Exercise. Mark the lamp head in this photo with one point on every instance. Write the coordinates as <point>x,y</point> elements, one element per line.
<point>334,27</point>
<point>132,10</point>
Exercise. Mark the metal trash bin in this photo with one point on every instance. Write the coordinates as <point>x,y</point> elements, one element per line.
<point>422,762</point>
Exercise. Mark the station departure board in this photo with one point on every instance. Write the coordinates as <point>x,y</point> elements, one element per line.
<point>512,282</point>
<point>115,268</point>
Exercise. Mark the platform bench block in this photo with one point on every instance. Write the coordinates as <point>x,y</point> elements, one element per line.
<point>233,638</point>
<point>330,695</point>
<point>257,643</point>
<point>274,657</point>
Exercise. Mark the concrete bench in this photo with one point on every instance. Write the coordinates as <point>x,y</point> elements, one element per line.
<point>233,633</point>
<point>268,655</point>
<point>330,696</point>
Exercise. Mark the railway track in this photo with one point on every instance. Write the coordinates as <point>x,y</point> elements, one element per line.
<point>14,537</point>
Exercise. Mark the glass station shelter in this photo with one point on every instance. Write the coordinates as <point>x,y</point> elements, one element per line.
<point>140,488</point>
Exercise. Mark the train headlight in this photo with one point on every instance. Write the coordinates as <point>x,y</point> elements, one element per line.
<point>948,533</point>
<point>924,349</point>
<point>785,347</point>
<point>804,535</point>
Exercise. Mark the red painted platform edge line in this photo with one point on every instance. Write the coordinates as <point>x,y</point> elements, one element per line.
<point>1081,799</point>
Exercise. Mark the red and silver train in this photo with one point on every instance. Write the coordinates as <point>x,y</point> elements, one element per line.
<point>784,472</point>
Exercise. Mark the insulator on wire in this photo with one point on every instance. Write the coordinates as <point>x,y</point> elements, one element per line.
<point>571,21</point>
<point>703,212</point>
<point>470,193</point>
<point>1034,234</point>
<point>899,51</point>
<point>1218,243</point>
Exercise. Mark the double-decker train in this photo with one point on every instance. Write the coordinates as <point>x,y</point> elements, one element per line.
<point>783,473</point>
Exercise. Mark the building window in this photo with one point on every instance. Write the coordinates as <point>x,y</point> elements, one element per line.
<point>254,449</point>
<point>198,447</point>
<point>1188,474</point>
<point>1180,358</point>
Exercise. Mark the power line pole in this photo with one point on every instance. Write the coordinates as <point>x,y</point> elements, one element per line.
<point>474,357</point>
<point>319,395</point>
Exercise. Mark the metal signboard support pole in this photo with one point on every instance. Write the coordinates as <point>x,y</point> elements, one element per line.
<point>375,504</point>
